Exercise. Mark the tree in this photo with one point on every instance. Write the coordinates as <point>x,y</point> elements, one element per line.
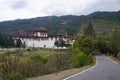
<point>24,44</point>
<point>89,31</point>
<point>56,43</point>
<point>102,45</point>
<point>115,42</point>
<point>18,43</point>
<point>6,41</point>
<point>60,43</point>
<point>85,44</point>
<point>1,40</point>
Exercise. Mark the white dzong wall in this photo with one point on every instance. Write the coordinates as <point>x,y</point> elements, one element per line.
<point>48,43</point>
<point>41,39</point>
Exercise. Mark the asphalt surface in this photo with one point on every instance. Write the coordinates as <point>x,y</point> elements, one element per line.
<point>105,69</point>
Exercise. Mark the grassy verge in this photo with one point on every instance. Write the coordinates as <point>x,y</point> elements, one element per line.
<point>62,74</point>
<point>57,63</point>
<point>114,59</point>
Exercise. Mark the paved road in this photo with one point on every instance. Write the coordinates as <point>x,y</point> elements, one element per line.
<point>105,69</point>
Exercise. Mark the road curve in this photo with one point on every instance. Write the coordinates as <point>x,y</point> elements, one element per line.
<point>105,69</point>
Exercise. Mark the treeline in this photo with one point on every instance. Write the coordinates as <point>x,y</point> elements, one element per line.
<point>110,45</point>
<point>89,41</point>
<point>6,41</point>
<point>53,24</point>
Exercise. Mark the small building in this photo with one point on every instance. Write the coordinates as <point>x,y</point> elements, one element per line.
<point>40,38</point>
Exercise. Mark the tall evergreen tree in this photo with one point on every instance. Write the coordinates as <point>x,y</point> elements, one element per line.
<point>6,41</point>
<point>18,43</point>
<point>89,31</point>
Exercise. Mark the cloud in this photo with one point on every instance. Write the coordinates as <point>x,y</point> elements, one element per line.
<point>103,5</point>
<point>18,4</point>
<point>14,9</point>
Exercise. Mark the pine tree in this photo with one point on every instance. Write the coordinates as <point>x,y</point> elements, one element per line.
<point>6,41</point>
<point>18,43</point>
<point>89,31</point>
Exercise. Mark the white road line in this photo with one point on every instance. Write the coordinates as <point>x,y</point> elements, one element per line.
<point>112,60</point>
<point>82,71</point>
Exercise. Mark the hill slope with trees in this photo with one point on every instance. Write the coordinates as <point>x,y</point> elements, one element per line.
<point>103,22</point>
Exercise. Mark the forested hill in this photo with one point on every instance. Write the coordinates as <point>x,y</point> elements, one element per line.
<point>71,24</point>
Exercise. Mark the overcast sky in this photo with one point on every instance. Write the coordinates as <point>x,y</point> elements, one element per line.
<point>20,9</point>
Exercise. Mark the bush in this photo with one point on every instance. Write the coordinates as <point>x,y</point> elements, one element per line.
<point>81,59</point>
<point>90,58</point>
<point>31,49</point>
<point>14,66</point>
<point>15,76</point>
<point>85,44</point>
<point>67,45</point>
<point>38,58</point>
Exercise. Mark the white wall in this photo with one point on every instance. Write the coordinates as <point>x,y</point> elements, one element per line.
<point>49,43</point>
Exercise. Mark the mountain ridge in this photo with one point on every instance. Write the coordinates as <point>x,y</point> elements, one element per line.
<point>59,24</point>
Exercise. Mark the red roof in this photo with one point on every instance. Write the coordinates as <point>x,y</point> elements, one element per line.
<point>23,36</point>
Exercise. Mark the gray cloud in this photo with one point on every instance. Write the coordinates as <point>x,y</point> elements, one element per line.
<point>106,5</point>
<point>18,4</point>
<point>36,8</point>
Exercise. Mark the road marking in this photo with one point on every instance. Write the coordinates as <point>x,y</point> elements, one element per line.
<point>82,71</point>
<point>112,60</point>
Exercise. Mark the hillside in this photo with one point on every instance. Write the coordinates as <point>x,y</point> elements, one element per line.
<point>103,23</point>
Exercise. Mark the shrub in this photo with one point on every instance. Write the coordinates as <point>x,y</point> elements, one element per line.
<point>9,66</point>
<point>85,44</point>
<point>32,49</point>
<point>29,49</point>
<point>15,76</point>
<point>80,59</point>
<point>15,66</point>
<point>90,58</point>
<point>60,61</point>
<point>38,58</point>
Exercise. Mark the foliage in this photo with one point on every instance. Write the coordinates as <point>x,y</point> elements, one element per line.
<point>110,45</point>
<point>89,31</point>
<point>115,42</point>
<point>54,24</point>
<point>18,43</point>
<point>102,45</point>
<point>85,44</point>
<point>10,66</point>
<point>67,45</point>
<point>60,43</point>
<point>17,66</point>
<point>56,43</point>
<point>81,59</point>
<point>31,49</point>
<point>15,76</point>
<point>38,58</point>
<point>6,41</point>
